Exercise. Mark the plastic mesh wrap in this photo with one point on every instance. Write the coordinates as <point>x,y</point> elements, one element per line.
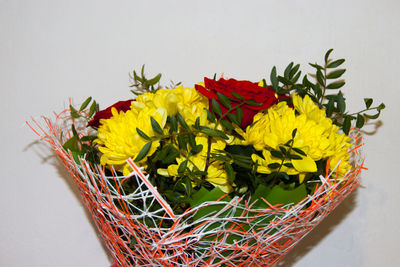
<point>140,229</point>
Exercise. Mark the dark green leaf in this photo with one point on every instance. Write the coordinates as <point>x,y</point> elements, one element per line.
<point>327,55</point>
<point>215,107</point>
<point>154,80</point>
<point>72,144</point>
<point>192,140</point>
<point>142,134</point>
<point>74,112</point>
<point>318,67</point>
<point>296,78</point>
<point>274,165</point>
<point>74,132</point>
<point>335,85</point>
<point>320,78</point>
<point>85,103</point>
<point>239,115</point>
<point>335,74</point>
<point>182,166</point>
<point>287,70</point>
<point>341,104</point>
<point>196,149</point>
<point>210,116</point>
<point>224,100</point>
<point>182,122</point>
<point>288,165</point>
<point>368,102</point>
<point>294,133</point>
<point>233,119</point>
<point>143,152</point>
<point>172,155</point>
<point>156,127</point>
<point>298,150</point>
<point>372,117</point>
<point>229,171</point>
<point>283,150</point>
<point>188,186</point>
<point>88,138</point>
<point>346,125</point>
<point>236,95</point>
<point>274,79</point>
<point>293,71</point>
<point>277,154</point>
<point>181,142</point>
<point>381,106</point>
<point>173,123</point>
<point>213,133</point>
<point>227,124</point>
<point>92,109</point>
<point>360,121</point>
<point>329,108</point>
<point>296,157</point>
<point>335,64</point>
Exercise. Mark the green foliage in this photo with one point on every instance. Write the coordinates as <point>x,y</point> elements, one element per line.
<point>141,84</point>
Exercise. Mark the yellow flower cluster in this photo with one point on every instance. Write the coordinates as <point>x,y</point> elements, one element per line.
<point>117,136</point>
<point>316,135</point>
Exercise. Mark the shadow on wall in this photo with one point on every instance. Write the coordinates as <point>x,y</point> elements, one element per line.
<point>320,231</point>
<point>47,156</point>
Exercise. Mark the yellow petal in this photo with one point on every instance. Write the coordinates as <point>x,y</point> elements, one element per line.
<point>306,164</point>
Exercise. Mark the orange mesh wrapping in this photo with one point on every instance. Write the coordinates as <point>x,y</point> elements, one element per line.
<point>140,229</point>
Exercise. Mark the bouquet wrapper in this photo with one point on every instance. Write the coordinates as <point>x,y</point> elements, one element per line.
<point>140,228</point>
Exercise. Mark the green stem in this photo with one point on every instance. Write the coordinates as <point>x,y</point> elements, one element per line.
<point>283,161</point>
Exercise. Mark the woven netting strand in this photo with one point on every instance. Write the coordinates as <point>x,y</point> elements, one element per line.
<point>140,229</point>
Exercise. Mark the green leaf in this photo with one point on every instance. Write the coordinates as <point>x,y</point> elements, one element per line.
<point>210,116</point>
<point>74,112</point>
<point>182,167</point>
<point>372,117</point>
<point>330,107</point>
<point>288,165</point>
<point>283,149</point>
<point>173,123</point>
<point>203,195</point>
<point>278,195</point>
<point>298,150</point>
<point>335,85</point>
<point>381,106</point>
<point>360,121</point>
<point>92,109</point>
<point>236,95</point>
<point>318,67</point>
<point>294,133</point>
<point>188,186</point>
<point>215,107</point>
<point>192,140</point>
<point>143,152</point>
<point>368,102</point>
<point>197,149</point>
<point>335,64</point>
<point>239,115</point>
<point>181,142</point>
<point>182,121</point>
<point>213,133</point>
<point>320,78</point>
<point>293,71</point>
<point>154,80</point>
<point>274,79</point>
<point>327,55</point>
<point>229,171</point>
<point>277,154</point>
<point>292,156</point>
<point>274,165</point>
<point>287,70</point>
<point>335,74</point>
<point>72,144</point>
<point>172,155</point>
<point>142,134</point>
<point>347,124</point>
<point>340,102</point>
<point>233,119</point>
<point>224,100</point>
<point>227,124</point>
<point>88,138</point>
<point>85,103</point>
<point>156,127</point>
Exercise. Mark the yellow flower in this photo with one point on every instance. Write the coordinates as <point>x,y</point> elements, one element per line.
<point>118,139</point>
<point>187,101</point>
<point>216,174</point>
<point>316,136</point>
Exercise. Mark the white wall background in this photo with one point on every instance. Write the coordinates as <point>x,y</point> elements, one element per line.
<point>53,50</point>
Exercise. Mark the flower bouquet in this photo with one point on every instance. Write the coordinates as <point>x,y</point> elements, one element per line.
<point>223,174</point>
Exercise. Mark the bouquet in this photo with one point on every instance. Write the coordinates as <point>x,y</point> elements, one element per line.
<point>223,173</point>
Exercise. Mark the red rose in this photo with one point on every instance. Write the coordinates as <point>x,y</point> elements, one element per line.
<point>248,90</point>
<point>106,113</point>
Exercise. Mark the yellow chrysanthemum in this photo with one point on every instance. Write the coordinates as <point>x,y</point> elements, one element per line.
<point>316,136</point>
<point>216,174</point>
<point>187,101</point>
<point>118,139</point>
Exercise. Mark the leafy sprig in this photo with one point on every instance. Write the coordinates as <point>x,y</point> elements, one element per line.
<point>142,84</point>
